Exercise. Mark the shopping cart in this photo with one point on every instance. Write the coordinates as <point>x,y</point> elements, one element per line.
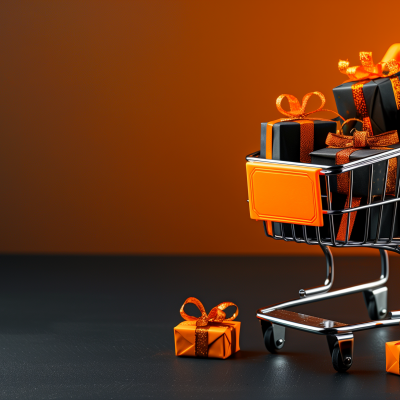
<point>304,213</point>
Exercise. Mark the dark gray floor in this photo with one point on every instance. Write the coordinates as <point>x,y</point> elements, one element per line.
<point>102,328</point>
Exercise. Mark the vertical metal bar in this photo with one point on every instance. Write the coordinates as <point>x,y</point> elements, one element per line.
<point>350,205</point>
<point>328,194</point>
<point>283,233</point>
<point>305,234</point>
<point>394,207</point>
<point>378,228</point>
<point>318,232</point>
<point>265,229</point>
<point>369,200</point>
<point>304,229</point>
<point>294,234</point>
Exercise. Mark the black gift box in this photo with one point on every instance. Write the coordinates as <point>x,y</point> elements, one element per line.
<point>286,138</point>
<point>286,147</point>
<point>361,175</point>
<point>380,102</point>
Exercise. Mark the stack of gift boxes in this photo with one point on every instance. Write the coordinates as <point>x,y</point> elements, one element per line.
<point>366,124</point>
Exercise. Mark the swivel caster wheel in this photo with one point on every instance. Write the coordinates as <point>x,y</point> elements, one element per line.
<point>376,302</point>
<point>274,336</point>
<point>339,364</point>
<point>341,348</point>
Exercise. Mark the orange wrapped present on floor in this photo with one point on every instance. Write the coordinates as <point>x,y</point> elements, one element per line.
<point>392,357</point>
<point>212,335</point>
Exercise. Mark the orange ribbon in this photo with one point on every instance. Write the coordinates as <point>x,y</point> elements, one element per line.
<point>351,144</point>
<point>297,113</point>
<point>363,73</point>
<point>203,323</point>
<point>362,139</point>
<point>368,70</point>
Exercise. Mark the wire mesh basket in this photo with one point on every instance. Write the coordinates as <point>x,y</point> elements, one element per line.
<point>375,231</point>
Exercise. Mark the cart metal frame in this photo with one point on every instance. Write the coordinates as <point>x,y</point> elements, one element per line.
<point>275,318</point>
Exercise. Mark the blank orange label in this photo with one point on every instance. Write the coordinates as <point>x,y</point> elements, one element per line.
<point>284,193</point>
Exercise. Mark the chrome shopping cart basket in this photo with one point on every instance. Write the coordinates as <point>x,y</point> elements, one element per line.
<point>312,217</point>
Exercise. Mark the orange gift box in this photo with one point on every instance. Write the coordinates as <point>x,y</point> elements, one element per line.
<point>211,336</point>
<point>392,357</point>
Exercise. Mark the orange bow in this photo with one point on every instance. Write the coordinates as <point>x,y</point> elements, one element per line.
<point>216,314</point>
<point>297,111</point>
<point>362,139</point>
<point>359,140</point>
<point>389,65</point>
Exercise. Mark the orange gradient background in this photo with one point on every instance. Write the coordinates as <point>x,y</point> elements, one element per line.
<point>125,124</point>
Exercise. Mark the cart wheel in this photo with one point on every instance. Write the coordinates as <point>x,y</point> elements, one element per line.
<point>373,313</point>
<point>271,344</point>
<point>339,364</point>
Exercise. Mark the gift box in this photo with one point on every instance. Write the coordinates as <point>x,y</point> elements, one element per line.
<point>378,103</point>
<point>344,149</point>
<point>294,137</point>
<point>222,340</point>
<point>210,336</point>
<point>373,92</point>
<point>327,156</point>
<point>285,140</point>
<point>392,357</point>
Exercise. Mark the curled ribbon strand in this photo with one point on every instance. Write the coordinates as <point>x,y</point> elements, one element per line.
<point>216,314</point>
<point>389,65</point>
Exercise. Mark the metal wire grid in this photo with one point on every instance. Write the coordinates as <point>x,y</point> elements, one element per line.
<point>328,238</point>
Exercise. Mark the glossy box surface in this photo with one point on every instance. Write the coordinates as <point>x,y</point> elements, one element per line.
<point>223,339</point>
<point>392,357</point>
<point>379,100</point>
<point>286,138</point>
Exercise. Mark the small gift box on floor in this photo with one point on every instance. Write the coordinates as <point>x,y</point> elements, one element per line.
<point>294,137</point>
<point>212,335</point>
<point>372,93</point>
<point>392,357</point>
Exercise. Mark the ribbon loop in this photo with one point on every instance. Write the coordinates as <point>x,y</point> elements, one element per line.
<point>198,304</point>
<point>392,66</point>
<point>216,314</point>
<point>296,110</point>
<point>384,139</point>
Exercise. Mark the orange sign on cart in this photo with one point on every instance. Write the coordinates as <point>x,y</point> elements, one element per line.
<point>284,193</point>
